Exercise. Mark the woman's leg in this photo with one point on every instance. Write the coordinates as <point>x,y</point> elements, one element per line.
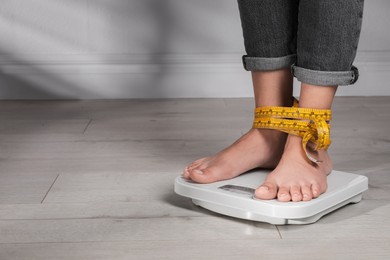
<point>269,28</point>
<point>328,34</point>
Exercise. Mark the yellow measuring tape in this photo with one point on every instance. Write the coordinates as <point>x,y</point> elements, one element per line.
<point>310,124</point>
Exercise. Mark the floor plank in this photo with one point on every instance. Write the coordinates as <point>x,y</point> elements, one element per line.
<point>120,187</point>
<point>39,126</point>
<point>365,225</point>
<point>25,187</point>
<point>268,248</point>
<point>172,206</point>
<point>151,229</point>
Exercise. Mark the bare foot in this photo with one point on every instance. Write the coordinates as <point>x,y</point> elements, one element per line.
<point>295,178</point>
<point>257,148</point>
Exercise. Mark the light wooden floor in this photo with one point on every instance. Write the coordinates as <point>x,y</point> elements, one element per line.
<point>94,180</point>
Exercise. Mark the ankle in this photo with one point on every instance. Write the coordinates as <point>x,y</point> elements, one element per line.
<point>293,142</point>
<point>272,136</point>
<point>275,141</point>
<point>294,147</point>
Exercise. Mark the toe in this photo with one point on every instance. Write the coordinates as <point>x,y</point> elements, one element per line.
<point>206,175</point>
<point>284,194</point>
<point>316,190</point>
<point>306,193</point>
<point>266,191</point>
<point>186,173</point>
<point>295,192</point>
<point>195,164</point>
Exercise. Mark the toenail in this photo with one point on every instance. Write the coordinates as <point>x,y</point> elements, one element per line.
<point>305,195</point>
<point>264,188</point>
<point>198,171</point>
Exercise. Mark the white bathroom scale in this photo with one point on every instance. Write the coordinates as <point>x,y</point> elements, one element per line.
<point>235,198</point>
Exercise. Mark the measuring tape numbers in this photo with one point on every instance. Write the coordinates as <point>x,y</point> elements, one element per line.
<point>310,124</point>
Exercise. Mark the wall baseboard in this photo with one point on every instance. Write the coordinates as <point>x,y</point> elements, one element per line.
<point>156,76</point>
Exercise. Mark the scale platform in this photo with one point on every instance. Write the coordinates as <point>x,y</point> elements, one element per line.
<point>235,198</point>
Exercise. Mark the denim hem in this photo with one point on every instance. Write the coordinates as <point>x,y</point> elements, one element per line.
<point>263,64</point>
<point>325,78</point>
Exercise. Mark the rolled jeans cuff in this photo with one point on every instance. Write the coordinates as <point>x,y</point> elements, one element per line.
<point>263,64</point>
<point>325,78</point>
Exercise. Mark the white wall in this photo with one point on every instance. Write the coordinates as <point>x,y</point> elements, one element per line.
<point>88,49</point>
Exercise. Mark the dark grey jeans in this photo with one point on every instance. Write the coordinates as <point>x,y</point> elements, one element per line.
<point>318,39</point>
